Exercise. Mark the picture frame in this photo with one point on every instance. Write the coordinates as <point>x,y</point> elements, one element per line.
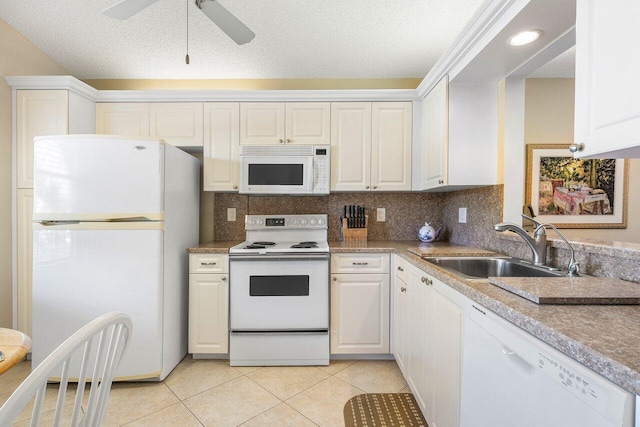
<point>575,193</point>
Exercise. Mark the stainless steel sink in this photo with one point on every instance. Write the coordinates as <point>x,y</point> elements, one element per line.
<point>483,267</point>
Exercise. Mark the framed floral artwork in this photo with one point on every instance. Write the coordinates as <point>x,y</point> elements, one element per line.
<point>575,193</point>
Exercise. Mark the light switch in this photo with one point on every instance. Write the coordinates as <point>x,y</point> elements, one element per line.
<point>462,215</point>
<point>231,214</point>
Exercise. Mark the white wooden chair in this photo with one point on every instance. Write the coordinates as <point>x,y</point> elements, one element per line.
<point>100,344</point>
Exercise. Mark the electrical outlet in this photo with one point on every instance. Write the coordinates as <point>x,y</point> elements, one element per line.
<point>231,214</point>
<point>381,214</point>
<point>462,215</point>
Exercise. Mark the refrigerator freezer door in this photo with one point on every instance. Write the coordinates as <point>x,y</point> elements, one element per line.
<point>79,274</point>
<point>89,177</point>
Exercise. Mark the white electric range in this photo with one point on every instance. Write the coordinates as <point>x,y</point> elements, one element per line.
<point>279,292</point>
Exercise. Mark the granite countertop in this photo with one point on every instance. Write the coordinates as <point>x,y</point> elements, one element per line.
<point>604,338</point>
<point>221,247</point>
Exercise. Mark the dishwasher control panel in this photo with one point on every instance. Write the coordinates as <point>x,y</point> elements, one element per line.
<point>581,384</point>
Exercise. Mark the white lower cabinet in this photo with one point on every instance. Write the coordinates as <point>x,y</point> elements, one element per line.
<point>360,304</point>
<point>208,304</point>
<point>428,319</point>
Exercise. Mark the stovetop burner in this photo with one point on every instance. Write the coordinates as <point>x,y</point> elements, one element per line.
<point>305,245</point>
<point>259,245</point>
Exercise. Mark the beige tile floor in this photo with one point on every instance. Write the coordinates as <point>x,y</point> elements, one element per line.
<point>212,393</point>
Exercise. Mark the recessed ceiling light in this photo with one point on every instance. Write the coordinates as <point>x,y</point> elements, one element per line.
<point>525,37</point>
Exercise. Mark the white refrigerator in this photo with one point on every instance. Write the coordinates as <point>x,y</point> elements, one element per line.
<point>113,217</point>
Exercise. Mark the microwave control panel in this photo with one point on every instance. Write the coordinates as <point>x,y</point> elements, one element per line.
<point>321,162</point>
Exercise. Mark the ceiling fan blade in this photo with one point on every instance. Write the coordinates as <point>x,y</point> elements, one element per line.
<point>228,23</point>
<point>127,8</point>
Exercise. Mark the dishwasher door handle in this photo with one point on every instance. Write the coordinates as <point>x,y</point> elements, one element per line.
<point>522,364</point>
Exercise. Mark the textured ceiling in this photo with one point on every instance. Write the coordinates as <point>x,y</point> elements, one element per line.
<point>294,38</point>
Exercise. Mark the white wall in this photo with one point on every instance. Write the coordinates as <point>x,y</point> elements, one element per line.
<point>19,57</point>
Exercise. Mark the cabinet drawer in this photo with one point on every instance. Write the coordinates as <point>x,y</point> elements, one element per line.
<point>360,263</point>
<point>208,263</point>
<point>400,268</point>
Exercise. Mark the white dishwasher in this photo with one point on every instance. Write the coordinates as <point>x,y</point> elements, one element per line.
<point>510,378</point>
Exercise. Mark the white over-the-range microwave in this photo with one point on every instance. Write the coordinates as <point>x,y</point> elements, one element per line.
<point>285,169</point>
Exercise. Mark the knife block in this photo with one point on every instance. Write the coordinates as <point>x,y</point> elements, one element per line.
<point>351,234</point>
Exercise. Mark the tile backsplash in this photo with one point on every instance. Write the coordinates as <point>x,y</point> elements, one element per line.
<point>405,212</point>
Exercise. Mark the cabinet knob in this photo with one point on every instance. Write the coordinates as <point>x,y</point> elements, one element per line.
<point>335,279</point>
<point>400,268</point>
<point>281,141</point>
<point>367,187</point>
<point>576,147</point>
<point>375,186</point>
<point>403,289</point>
<point>235,187</point>
<point>441,181</point>
<point>288,141</point>
<point>224,279</point>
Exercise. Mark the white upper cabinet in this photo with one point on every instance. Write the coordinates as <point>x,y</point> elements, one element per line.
<point>308,123</point>
<point>126,118</point>
<point>435,135</point>
<point>270,123</point>
<point>391,146</point>
<point>607,109</point>
<point>221,143</point>
<point>178,123</point>
<point>459,144</point>
<point>371,146</point>
<point>38,113</point>
<point>350,146</point>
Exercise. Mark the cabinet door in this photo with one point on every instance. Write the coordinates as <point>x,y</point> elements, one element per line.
<point>417,336</point>
<point>360,313</point>
<point>261,123</point>
<point>435,127</point>
<point>178,123</point>
<point>350,146</point>
<point>208,313</point>
<point>607,111</point>
<point>127,118</point>
<point>25,259</point>
<point>308,123</point>
<point>400,325</point>
<point>391,146</point>
<point>38,112</point>
<point>445,350</point>
<point>221,146</point>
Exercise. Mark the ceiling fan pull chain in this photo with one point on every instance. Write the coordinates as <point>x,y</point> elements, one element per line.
<point>187,57</point>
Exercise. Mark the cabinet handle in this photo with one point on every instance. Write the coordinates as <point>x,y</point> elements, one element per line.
<point>427,281</point>
<point>224,279</point>
<point>403,289</point>
<point>441,181</point>
<point>208,263</point>
<point>400,268</point>
<point>360,263</point>
<point>424,279</point>
<point>281,141</point>
<point>288,141</point>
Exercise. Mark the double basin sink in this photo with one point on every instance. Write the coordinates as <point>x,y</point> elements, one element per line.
<point>484,267</point>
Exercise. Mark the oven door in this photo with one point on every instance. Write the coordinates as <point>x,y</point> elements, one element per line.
<point>279,293</point>
<point>276,174</point>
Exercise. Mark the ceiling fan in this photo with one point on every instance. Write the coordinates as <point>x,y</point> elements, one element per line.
<point>220,16</point>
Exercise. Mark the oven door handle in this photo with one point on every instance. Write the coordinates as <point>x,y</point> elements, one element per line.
<point>290,332</point>
<point>292,257</point>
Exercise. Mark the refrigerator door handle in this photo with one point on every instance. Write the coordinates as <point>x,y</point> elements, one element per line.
<point>52,223</point>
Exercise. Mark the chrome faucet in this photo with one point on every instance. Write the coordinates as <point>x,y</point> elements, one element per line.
<point>537,243</point>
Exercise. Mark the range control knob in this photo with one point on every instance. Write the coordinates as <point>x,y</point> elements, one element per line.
<point>304,221</point>
<point>314,221</point>
<point>296,222</point>
<point>260,222</point>
<point>321,222</point>
<point>252,222</point>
